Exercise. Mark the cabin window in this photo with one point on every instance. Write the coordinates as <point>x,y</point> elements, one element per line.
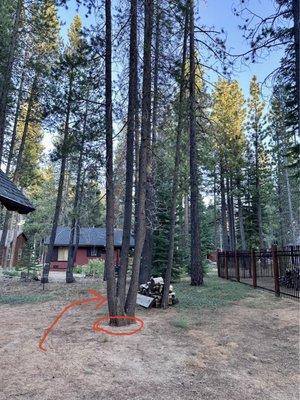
<point>19,254</point>
<point>93,251</point>
<point>62,254</point>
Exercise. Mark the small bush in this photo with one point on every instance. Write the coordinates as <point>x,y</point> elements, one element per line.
<point>30,270</point>
<point>11,273</point>
<point>78,269</point>
<point>95,268</point>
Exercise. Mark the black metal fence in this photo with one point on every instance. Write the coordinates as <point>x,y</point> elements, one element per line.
<point>274,270</point>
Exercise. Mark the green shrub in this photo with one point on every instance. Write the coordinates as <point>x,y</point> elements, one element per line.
<point>78,269</point>
<point>11,273</point>
<point>206,267</point>
<point>95,268</point>
<point>29,269</point>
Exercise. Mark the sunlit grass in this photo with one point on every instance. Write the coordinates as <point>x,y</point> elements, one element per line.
<point>26,298</point>
<point>214,293</point>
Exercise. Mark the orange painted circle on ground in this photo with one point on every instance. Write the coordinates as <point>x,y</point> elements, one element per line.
<point>97,325</point>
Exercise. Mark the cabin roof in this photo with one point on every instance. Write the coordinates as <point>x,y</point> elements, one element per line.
<point>88,237</point>
<point>12,198</point>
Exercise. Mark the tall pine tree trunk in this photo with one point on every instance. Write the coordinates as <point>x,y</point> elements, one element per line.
<point>290,207</point>
<point>28,118</point>
<point>109,259</point>
<point>146,262</point>
<point>3,251</point>
<point>132,102</point>
<point>225,243</point>
<point>257,194</point>
<point>143,160</point>
<point>241,218</point>
<point>8,74</point>
<point>230,208</point>
<point>136,151</point>
<point>5,228</point>
<point>165,298</point>
<point>296,15</point>
<point>16,119</point>
<point>215,212</point>
<point>14,240</point>
<point>74,224</point>
<point>46,268</point>
<point>196,263</point>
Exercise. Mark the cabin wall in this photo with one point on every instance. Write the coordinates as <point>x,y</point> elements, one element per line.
<point>82,258</point>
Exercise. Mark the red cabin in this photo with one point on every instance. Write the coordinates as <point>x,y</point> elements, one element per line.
<point>92,242</point>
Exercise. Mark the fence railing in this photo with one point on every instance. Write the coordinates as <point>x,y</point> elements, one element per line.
<point>275,270</point>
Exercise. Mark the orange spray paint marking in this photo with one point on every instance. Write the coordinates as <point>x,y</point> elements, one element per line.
<point>98,328</point>
<point>100,300</point>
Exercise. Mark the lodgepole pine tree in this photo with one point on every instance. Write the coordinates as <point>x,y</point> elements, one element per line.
<point>256,107</point>
<point>109,258</point>
<point>196,263</point>
<point>131,134</point>
<point>167,280</point>
<point>143,160</point>
<point>71,59</point>
<point>147,254</point>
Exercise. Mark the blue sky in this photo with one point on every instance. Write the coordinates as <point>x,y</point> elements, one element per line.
<point>219,13</point>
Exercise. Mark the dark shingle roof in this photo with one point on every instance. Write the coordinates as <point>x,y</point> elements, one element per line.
<point>88,237</point>
<point>12,198</point>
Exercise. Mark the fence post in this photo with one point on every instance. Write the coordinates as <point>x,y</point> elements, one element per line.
<point>218,263</point>
<point>253,267</point>
<point>276,270</point>
<point>292,255</point>
<point>237,267</point>
<point>226,264</point>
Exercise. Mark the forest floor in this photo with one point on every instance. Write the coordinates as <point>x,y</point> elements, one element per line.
<point>223,341</point>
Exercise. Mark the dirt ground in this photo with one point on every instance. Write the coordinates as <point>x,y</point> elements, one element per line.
<point>245,350</point>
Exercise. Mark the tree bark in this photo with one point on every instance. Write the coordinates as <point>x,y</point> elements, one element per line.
<point>143,160</point>
<point>196,262</point>
<point>290,206</point>
<point>215,212</point>
<point>109,259</point>
<point>8,74</point>
<point>296,16</point>
<point>167,280</point>
<point>72,245</point>
<point>186,225</point>
<point>147,254</point>
<point>241,218</point>
<point>257,194</point>
<point>230,208</point>
<point>136,162</point>
<point>17,112</point>
<point>132,102</point>
<point>3,249</point>
<point>46,268</point>
<point>28,117</point>
<point>14,241</point>
<point>223,209</point>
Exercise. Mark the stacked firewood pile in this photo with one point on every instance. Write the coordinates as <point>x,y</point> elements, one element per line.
<point>154,289</point>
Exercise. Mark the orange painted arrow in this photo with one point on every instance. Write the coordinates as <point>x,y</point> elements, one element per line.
<point>97,298</point>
